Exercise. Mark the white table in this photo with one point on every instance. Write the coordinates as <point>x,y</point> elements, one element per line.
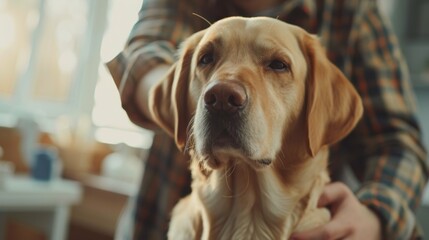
<point>44,205</point>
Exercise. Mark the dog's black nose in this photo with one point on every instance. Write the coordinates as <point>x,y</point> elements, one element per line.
<point>226,97</point>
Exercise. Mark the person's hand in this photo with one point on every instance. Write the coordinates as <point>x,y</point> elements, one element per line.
<point>350,219</point>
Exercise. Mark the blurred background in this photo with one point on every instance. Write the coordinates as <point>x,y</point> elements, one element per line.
<point>70,158</point>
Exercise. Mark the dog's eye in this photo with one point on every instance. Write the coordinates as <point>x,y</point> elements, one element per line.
<point>278,66</point>
<point>206,59</point>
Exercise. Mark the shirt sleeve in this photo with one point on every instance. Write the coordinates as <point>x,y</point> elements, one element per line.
<point>387,141</point>
<point>162,26</point>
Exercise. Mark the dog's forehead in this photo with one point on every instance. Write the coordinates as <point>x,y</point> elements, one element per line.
<point>257,30</point>
<point>243,23</point>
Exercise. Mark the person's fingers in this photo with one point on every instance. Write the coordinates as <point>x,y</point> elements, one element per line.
<point>332,230</point>
<point>333,193</point>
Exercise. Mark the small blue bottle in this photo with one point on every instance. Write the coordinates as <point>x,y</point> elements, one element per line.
<point>43,164</point>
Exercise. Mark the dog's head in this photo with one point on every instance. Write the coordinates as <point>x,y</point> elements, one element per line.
<point>254,88</point>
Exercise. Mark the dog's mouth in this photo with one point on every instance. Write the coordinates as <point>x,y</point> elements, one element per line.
<point>225,132</point>
<point>224,140</point>
<point>219,137</point>
<point>264,162</point>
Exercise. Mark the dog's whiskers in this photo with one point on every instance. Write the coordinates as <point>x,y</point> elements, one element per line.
<point>228,172</point>
<point>203,18</point>
<point>226,176</point>
<point>282,158</point>
<point>247,184</point>
<point>245,188</point>
<point>189,133</point>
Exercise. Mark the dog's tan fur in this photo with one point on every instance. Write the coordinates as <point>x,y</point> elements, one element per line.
<point>291,118</point>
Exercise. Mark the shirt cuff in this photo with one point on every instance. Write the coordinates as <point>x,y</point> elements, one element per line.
<point>397,219</point>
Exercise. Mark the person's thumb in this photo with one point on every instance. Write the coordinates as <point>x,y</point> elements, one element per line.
<point>333,193</point>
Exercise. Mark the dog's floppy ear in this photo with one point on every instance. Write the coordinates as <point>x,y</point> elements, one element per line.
<point>333,105</point>
<point>169,100</point>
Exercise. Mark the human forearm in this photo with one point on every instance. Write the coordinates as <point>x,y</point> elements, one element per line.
<point>153,42</point>
<point>144,87</point>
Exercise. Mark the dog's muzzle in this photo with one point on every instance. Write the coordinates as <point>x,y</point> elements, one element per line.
<point>223,125</point>
<point>223,118</point>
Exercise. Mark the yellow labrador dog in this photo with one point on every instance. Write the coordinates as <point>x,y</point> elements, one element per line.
<point>256,103</point>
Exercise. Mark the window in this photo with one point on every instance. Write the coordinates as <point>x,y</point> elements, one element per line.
<point>46,56</point>
<point>417,19</point>
<point>409,20</point>
<point>52,55</point>
<point>416,41</point>
<point>17,24</point>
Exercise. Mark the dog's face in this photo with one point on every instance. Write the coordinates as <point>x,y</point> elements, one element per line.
<point>254,87</point>
<point>249,85</point>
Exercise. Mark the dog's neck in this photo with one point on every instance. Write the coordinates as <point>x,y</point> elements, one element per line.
<point>240,201</point>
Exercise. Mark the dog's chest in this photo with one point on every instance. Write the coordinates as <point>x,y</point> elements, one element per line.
<point>245,204</point>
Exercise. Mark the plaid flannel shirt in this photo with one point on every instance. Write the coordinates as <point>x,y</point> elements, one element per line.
<point>384,151</point>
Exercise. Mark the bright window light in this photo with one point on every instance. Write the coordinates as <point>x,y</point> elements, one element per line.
<point>117,136</point>
<point>112,122</point>
<point>7,31</point>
